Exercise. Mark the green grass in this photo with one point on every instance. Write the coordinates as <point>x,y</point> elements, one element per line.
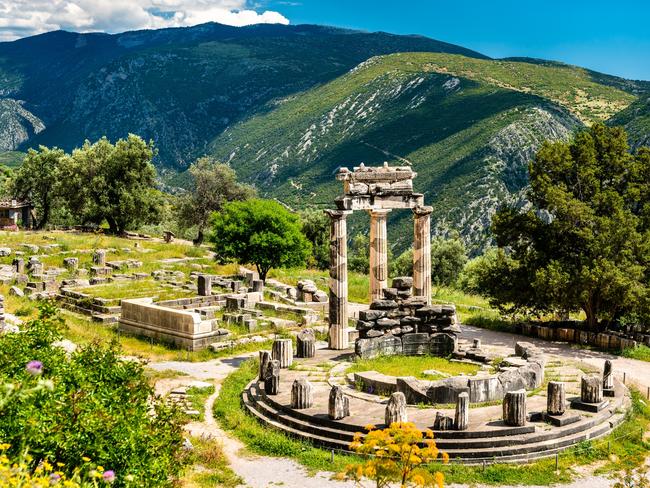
<point>209,466</point>
<point>149,287</point>
<point>260,439</point>
<point>413,366</point>
<point>624,448</point>
<point>641,352</point>
<point>197,396</point>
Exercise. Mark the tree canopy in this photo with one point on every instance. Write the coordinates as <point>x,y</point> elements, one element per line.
<point>259,232</point>
<point>585,242</point>
<point>113,182</point>
<point>37,181</point>
<point>212,185</point>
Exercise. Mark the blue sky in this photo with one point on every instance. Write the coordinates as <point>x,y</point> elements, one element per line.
<point>608,36</point>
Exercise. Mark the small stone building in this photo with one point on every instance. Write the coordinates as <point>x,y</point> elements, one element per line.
<point>15,212</point>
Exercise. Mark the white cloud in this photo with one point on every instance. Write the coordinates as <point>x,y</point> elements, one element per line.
<point>20,18</point>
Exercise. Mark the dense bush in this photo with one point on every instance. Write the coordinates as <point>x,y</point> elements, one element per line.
<point>90,406</point>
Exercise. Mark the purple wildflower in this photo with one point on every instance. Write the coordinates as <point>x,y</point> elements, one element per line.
<point>55,478</point>
<point>34,368</point>
<point>109,476</point>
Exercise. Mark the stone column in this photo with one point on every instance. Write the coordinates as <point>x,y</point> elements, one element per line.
<point>19,265</point>
<point>338,305</point>
<point>282,351</point>
<point>396,409</point>
<point>265,358</point>
<point>555,398</point>
<point>272,377</point>
<point>338,406</point>
<point>378,253</point>
<point>514,408</point>
<point>99,257</point>
<point>306,344</point>
<point>591,389</point>
<point>204,285</point>
<point>302,394</point>
<point>461,419</point>
<point>422,252</point>
<point>608,376</point>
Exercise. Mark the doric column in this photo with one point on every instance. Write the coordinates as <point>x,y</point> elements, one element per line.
<point>422,252</point>
<point>338,304</point>
<point>378,253</point>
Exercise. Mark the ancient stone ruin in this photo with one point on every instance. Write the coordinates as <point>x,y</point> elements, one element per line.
<point>376,190</point>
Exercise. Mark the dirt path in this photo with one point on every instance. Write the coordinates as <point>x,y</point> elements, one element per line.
<point>265,471</point>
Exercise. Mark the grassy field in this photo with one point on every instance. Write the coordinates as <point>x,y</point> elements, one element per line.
<point>413,366</point>
<point>625,448</point>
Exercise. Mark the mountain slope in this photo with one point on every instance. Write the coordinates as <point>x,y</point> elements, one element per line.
<point>180,87</point>
<point>636,120</point>
<point>469,128</point>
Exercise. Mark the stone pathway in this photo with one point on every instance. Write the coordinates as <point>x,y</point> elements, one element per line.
<point>264,471</point>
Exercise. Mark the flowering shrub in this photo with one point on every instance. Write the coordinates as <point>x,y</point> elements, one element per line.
<point>396,453</point>
<point>89,406</point>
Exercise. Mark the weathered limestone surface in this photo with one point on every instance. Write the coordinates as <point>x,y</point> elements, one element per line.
<point>272,377</point>
<point>265,357</point>
<point>443,422</point>
<point>591,389</point>
<point>338,283</point>
<point>71,264</point>
<point>396,409</point>
<point>258,285</point>
<point>99,257</point>
<point>302,394</point>
<point>282,351</point>
<point>514,408</point>
<point>608,376</point>
<point>378,253</point>
<point>204,284</point>
<point>422,252</point>
<point>339,404</point>
<point>19,265</point>
<point>306,343</point>
<point>2,312</point>
<point>555,398</point>
<point>461,417</point>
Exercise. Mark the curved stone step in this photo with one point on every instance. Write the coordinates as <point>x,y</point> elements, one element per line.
<point>499,449</point>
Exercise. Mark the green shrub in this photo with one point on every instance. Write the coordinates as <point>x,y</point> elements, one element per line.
<point>91,405</point>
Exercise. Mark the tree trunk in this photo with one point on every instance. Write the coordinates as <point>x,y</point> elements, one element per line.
<point>112,225</point>
<point>199,238</point>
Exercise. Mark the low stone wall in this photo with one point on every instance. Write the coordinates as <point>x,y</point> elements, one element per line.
<point>182,328</point>
<point>612,341</point>
<point>525,373</point>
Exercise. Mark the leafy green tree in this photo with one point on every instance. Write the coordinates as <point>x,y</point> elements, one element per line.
<point>585,244</point>
<point>359,254</point>
<point>37,180</point>
<point>316,227</point>
<point>448,256</point>
<point>113,182</point>
<point>474,270</point>
<point>259,232</point>
<point>212,185</point>
<point>403,264</point>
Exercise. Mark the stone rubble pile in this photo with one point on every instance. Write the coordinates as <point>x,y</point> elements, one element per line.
<point>404,324</point>
<point>308,292</point>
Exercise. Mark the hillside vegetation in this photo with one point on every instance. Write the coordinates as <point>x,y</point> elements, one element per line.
<point>179,87</point>
<point>469,127</point>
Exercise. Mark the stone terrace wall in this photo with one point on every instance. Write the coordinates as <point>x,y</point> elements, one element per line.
<point>182,328</point>
<point>562,331</point>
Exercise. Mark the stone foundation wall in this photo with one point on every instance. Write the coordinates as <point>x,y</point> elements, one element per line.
<point>612,341</point>
<point>179,327</point>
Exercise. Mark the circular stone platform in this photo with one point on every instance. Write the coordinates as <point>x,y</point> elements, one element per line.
<point>487,439</point>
